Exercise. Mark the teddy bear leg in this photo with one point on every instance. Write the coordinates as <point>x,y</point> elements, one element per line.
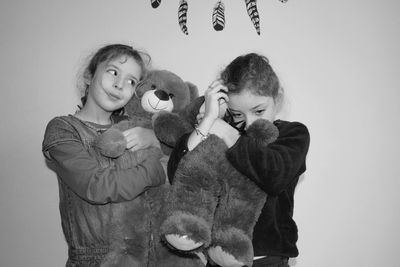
<point>160,254</point>
<point>190,207</point>
<point>193,197</point>
<point>235,219</point>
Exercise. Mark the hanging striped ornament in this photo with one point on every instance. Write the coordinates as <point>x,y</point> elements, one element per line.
<point>155,3</point>
<point>182,16</point>
<point>218,16</point>
<point>251,6</point>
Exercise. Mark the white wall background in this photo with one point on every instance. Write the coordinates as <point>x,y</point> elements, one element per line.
<point>339,64</point>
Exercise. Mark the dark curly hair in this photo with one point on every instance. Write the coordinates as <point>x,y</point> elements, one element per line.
<point>107,53</point>
<point>251,72</point>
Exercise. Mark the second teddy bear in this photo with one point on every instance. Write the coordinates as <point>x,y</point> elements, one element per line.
<point>211,207</point>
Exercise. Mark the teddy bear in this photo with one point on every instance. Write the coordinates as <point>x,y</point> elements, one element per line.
<point>211,207</point>
<point>162,90</point>
<point>165,91</point>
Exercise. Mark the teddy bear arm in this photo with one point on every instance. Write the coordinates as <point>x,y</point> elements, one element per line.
<point>263,132</point>
<point>169,127</point>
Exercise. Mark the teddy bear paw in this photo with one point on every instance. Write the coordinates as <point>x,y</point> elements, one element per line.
<point>186,231</point>
<point>223,258</point>
<point>231,245</point>
<point>183,243</point>
<point>111,143</point>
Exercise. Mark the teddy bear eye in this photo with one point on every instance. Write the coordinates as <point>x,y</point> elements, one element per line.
<point>171,95</point>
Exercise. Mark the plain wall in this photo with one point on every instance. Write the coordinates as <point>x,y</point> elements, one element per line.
<point>337,60</point>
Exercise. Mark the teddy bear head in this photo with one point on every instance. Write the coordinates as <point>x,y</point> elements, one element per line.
<point>161,90</point>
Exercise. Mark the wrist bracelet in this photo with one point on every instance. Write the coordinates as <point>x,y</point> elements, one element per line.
<point>198,132</point>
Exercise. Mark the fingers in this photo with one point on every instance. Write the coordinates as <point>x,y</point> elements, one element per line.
<point>139,138</point>
<point>131,138</point>
<point>215,96</point>
<point>216,86</point>
<point>217,90</point>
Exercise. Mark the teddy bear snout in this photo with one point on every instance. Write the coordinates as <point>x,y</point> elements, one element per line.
<point>162,95</point>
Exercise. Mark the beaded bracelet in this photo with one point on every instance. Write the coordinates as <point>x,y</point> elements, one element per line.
<point>198,132</point>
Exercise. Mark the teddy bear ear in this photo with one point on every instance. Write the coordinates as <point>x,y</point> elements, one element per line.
<point>194,91</point>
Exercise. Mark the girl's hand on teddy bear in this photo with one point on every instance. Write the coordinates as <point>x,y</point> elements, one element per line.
<point>225,131</point>
<point>140,138</point>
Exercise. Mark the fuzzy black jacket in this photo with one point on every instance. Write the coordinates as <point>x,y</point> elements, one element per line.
<point>276,170</point>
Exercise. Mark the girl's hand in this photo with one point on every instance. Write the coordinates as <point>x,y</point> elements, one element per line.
<point>225,131</point>
<point>214,96</point>
<point>140,138</point>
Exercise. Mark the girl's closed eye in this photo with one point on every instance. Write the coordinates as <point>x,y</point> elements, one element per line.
<point>236,115</point>
<point>259,112</point>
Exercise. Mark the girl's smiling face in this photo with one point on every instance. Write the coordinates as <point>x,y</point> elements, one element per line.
<point>114,83</point>
<point>246,107</point>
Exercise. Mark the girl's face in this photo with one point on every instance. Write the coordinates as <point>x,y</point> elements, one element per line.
<point>114,83</point>
<point>246,107</point>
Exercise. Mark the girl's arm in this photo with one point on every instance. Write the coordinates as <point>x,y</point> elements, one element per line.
<point>96,184</point>
<point>209,123</point>
<point>86,177</point>
<point>275,166</point>
<point>219,127</point>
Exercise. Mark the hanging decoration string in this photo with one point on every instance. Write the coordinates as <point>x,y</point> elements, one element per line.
<point>218,14</point>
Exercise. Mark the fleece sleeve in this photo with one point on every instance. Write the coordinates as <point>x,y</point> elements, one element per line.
<point>275,166</point>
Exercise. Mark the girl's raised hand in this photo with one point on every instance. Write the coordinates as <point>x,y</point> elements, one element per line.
<point>140,138</point>
<point>214,96</point>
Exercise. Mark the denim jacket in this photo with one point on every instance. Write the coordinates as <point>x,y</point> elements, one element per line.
<point>105,211</point>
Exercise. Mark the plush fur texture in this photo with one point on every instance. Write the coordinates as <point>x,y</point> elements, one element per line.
<point>211,203</point>
<point>176,95</point>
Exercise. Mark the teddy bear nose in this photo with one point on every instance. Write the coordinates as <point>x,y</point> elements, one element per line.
<point>162,95</point>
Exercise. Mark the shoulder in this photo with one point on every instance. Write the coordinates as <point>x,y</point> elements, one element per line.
<point>61,124</point>
<point>294,134</point>
<point>59,121</point>
<point>59,129</point>
<point>291,126</point>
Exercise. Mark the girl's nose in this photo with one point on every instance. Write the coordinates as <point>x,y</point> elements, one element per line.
<point>118,83</point>
<point>249,120</point>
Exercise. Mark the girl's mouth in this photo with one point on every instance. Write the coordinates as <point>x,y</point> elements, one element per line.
<point>113,96</point>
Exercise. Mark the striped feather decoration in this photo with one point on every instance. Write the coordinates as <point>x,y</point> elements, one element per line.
<point>251,6</point>
<point>182,16</point>
<point>155,3</point>
<point>218,16</point>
